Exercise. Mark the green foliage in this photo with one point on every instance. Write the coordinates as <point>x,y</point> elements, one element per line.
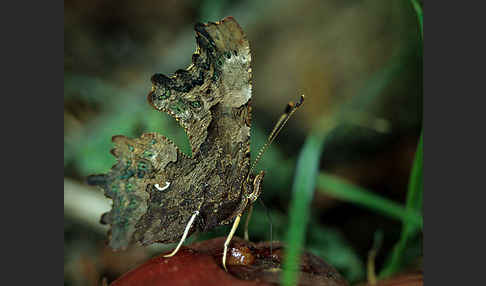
<point>414,195</point>
<point>409,215</point>
<point>420,15</point>
<point>306,179</point>
<point>414,204</point>
<point>302,194</point>
<point>338,188</point>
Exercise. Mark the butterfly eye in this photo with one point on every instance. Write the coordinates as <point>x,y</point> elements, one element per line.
<point>227,55</point>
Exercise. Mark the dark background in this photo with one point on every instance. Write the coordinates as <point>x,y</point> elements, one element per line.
<point>364,57</point>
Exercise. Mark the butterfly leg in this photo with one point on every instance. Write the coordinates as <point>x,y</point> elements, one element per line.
<point>228,239</point>
<point>247,221</point>
<point>186,231</point>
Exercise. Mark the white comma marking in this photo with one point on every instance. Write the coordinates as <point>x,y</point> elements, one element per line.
<point>167,184</point>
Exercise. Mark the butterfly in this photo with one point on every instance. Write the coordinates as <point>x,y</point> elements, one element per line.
<point>161,194</point>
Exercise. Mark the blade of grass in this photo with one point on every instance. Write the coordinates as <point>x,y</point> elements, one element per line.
<point>415,190</point>
<point>302,193</point>
<point>415,186</point>
<point>414,203</point>
<point>420,15</point>
<point>340,189</point>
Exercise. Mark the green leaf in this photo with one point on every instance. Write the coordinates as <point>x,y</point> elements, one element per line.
<point>340,189</point>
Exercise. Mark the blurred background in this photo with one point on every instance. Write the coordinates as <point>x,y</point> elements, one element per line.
<point>358,62</point>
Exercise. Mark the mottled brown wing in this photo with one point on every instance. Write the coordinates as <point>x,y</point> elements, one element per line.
<point>129,181</point>
<point>220,74</point>
<point>155,188</point>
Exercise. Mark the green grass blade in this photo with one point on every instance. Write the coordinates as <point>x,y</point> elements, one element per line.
<point>414,203</point>
<point>302,193</point>
<point>415,185</point>
<point>340,189</point>
<point>415,190</point>
<point>420,15</point>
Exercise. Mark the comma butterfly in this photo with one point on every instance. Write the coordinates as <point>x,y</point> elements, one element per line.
<point>162,195</point>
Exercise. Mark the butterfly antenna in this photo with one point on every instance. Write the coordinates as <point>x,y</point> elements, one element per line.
<point>289,110</point>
